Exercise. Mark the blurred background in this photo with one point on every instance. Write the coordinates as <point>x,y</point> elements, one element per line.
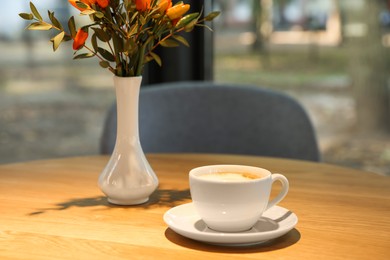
<point>332,56</point>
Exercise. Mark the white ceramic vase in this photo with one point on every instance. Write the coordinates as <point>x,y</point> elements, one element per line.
<point>127,178</point>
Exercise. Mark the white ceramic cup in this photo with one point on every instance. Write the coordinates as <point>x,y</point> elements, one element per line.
<point>233,205</point>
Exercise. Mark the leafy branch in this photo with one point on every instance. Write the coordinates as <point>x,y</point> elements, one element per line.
<point>123,34</point>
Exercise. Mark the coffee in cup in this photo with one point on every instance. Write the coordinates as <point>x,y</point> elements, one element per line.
<point>232,198</point>
<point>229,176</point>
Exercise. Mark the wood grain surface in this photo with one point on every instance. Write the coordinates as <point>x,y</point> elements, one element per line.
<point>53,209</point>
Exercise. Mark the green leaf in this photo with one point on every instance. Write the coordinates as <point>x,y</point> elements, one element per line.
<point>26,16</point>
<point>72,27</point>
<point>88,12</point>
<point>101,34</point>
<point>169,43</point>
<point>104,64</point>
<point>106,54</point>
<point>57,40</point>
<point>142,19</point>
<point>205,26</point>
<point>133,30</point>
<point>83,56</point>
<point>133,17</point>
<point>147,59</point>
<point>94,42</point>
<point>35,11</point>
<point>41,26</point>
<point>189,27</point>
<point>211,16</point>
<point>187,19</point>
<point>118,44</point>
<point>181,39</point>
<point>54,20</point>
<point>156,58</point>
<point>81,5</point>
<point>99,14</point>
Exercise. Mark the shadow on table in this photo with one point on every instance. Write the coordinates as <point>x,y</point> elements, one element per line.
<point>167,198</point>
<point>284,241</point>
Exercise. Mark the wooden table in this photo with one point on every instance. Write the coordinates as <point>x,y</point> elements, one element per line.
<point>53,209</point>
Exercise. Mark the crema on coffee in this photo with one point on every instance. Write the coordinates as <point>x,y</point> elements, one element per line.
<point>230,176</point>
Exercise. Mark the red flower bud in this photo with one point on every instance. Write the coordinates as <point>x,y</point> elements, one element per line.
<point>103,3</point>
<point>142,5</point>
<point>79,39</point>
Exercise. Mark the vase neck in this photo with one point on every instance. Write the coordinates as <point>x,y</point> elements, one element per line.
<point>127,96</point>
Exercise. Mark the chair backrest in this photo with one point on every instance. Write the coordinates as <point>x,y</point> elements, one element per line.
<point>205,117</point>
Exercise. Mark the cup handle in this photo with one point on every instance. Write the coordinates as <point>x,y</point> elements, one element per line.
<point>282,193</point>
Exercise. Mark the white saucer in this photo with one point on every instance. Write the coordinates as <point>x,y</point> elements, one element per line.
<point>274,223</point>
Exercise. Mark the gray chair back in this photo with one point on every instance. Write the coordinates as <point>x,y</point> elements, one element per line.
<point>205,117</point>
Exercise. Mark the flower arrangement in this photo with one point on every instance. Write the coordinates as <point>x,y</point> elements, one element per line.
<point>123,33</point>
